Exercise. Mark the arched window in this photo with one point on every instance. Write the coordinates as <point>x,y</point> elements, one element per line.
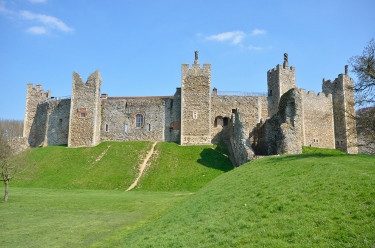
<point>139,120</point>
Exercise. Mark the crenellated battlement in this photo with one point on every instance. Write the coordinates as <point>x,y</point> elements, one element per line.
<point>316,96</point>
<point>281,121</point>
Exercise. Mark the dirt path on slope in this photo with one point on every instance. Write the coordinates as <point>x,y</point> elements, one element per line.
<point>142,167</point>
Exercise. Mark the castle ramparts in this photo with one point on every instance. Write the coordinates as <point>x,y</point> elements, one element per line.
<point>282,121</point>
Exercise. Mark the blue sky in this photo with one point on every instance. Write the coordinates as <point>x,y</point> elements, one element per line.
<point>139,45</point>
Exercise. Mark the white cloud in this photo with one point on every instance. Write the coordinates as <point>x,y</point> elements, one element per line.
<point>50,21</point>
<point>258,32</point>
<point>37,30</point>
<point>235,37</point>
<point>37,1</point>
<point>255,48</point>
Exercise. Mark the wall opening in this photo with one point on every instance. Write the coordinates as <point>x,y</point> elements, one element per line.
<point>106,128</point>
<point>149,127</point>
<point>126,128</point>
<point>139,120</point>
<point>225,121</point>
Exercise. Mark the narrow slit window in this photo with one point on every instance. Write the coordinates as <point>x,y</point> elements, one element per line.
<point>126,128</point>
<point>106,128</point>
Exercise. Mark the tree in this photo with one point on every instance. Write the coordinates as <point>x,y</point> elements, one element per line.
<point>9,131</point>
<point>364,89</point>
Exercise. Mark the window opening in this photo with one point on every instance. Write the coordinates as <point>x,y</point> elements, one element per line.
<point>195,115</point>
<point>106,127</point>
<point>126,128</point>
<point>149,127</point>
<point>225,121</point>
<point>270,94</point>
<point>139,120</point>
<point>83,115</point>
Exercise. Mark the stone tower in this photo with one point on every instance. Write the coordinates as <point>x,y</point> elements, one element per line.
<point>279,80</point>
<point>34,97</point>
<point>343,109</point>
<point>195,104</point>
<point>85,111</point>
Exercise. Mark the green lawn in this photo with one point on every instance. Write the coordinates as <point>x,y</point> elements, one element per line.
<point>184,168</point>
<point>189,197</point>
<point>39,217</point>
<point>309,200</point>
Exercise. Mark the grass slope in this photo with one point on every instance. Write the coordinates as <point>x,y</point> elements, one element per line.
<point>109,165</point>
<point>184,168</point>
<point>317,199</point>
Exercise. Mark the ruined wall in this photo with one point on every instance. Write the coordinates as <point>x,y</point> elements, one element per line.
<point>318,124</point>
<point>283,132</point>
<point>18,145</point>
<point>172,130</point>
<point>343,108</point>
<point>239,139</point>
<point>119,118</point>
<point>85,116</point>
<point>252,110</point>
<point>34,97</point>
<point>279,80</point>
<point>51,123</point>
<point>196,104</point>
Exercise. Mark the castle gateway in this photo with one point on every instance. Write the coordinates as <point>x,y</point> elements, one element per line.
<point>279,122</point>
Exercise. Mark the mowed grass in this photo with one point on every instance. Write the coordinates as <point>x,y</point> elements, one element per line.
<point>184,168</point>
<point>68,197</point>
<point>40,217</point>
<point>110,165</point>
<point>322,198</point>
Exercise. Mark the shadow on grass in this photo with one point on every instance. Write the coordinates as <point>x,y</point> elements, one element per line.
<point>215,159</point>
<point>284,158</point>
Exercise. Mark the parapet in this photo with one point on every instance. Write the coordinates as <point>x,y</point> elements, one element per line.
<point>37,92</point>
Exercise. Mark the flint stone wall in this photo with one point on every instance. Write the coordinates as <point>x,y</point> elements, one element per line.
<point>51,123</point>
<point>85,130</point>
<point>252,108</point>
<point>318,124</point>
<point>196,105</point>
<point>119,116</point>
<point>239,139</point>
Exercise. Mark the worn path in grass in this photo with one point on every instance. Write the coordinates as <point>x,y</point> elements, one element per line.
<point>142,167</point>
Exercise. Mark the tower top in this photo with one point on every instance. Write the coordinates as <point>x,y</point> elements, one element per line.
<point>286,64</point>
<point>196,58</point>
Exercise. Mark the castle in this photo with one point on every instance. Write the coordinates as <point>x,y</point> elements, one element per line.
<point>279,122</point>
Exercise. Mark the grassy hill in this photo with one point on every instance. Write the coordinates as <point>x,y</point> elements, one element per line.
<point>114,165</point>
<point>68,197</point>
<point>318,199</point>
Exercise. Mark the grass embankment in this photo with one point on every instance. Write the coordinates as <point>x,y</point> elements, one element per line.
<point>110,165</point>
<point>75,197</point>
<point>184,168</point>
<point>322,198</point>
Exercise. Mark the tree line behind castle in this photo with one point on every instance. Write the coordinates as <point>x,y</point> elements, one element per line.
<point>279,122</point>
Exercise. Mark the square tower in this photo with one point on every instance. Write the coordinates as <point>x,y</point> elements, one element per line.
<point>279,80</point>
<point>195,104</point>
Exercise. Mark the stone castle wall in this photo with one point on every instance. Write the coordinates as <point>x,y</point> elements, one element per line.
<point>34,97</point>
<point>280,123</point>
<point>279,80</point>
<point>119,118</point>
<point>318,123</point>
<point>252,109</point>
<point>343,108</point>
<point>196,105</point>
<point>85,112</point>
<point>239,139</point>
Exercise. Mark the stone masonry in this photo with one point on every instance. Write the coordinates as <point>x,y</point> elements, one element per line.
<point>282,122</point>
